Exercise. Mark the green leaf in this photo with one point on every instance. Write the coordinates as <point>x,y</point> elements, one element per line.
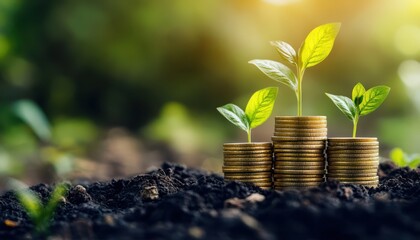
<point>398,157</point>
<point>318,44</point>
<point>30,203</point>
<point>260,106</point>
<point>286,51</point>
<point>277,71</point>
<point>415,162</point>
<point>235,115</point>
<point>372,99</point>
<point>357,94</point>
<point>345,105</point>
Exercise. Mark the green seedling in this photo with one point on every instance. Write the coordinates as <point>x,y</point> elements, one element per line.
<point>257,111</point>
<point>362,103</point>
<point>40,214</point>
<point>316,47</point>
<point>402,159</point>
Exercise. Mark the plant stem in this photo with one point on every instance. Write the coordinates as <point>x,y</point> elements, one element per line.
<point>249,135</point>
<point>300,73</point>
<point>355,121</point>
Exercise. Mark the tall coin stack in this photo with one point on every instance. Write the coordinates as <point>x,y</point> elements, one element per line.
<point>353,160</point>
<point>249,162</point>
<point>299,151</point>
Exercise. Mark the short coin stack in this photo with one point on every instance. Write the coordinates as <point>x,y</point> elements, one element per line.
<point>353,160</point>
<point>299,151</point>
<point>249,162</point>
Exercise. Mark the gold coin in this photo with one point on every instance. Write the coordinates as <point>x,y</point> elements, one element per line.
<point>298,155</point>
<point>247,145</point>
<point>285,134</point>
<point>300,172</point>
<point>351,163</point>
<point>248,153</point>
<point>360,182</point>
<point>249,179</point>
<point>300,159</point>
<point>263,155</point>
<point>355,147</point>
<point>243,169</point>
<point>374,178</point>
<point>248,175</point>
<point>283,167</point>
<point>256,163</point>
<point>299,163</point>
<point>351,174</point>
<point>351,159</point>
<point>279,139</point>
<point>353,167</point>
<point>297,184</point>
<point>302,143</point>
<point>298,177</point>
<point>266,159</point>
<point>299,146</point>
<point>351,155</point>
<point>349,140</point>
<point>352,151</point>
<point>351,171</point>
<point>302,150</point>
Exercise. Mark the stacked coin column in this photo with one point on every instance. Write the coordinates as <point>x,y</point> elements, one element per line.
<point>249,162</point>
<point>299,151</point>
<point>353,160</point>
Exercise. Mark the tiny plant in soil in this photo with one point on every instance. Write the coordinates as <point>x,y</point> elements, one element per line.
<point>257,111</point>
<point>316,47</point>
<point>41,215</point>
<point>402,159</point>
<point>362,103</point>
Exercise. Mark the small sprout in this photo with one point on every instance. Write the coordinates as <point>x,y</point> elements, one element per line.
<point>402,159</point>
<point>41,215</point>
<point>316,47</point>
<point>257,111</point>
<point>362,103</point>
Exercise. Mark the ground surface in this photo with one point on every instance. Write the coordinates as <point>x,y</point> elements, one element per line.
<point>179,203</point>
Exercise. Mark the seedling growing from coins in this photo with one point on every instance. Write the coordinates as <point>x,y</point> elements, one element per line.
<point>257,111</point>
<point>41,215</point>
<point>316,47</point>
<point>362,103</point>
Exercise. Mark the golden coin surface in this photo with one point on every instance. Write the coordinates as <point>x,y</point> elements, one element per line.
<point>351,171</point>
<point>351,147</point>
<point>248,175</point>
<point>246,144</point>
<point>253,163</point>
<point>349,175</point>
<point>297,155</point>
<point>264,155</point>
<point>247,169</point>
<point>320,168</point>
<point>352,155</point>
<point>300,172</point>
<point>295,150</point>
<point>298,179</point>
<point>352,151</point>
<point>352,163</point>
<point>297,184</point>
<point>235,159</point>
<point>374,178</point>
<point>350,159</point>
<point>239,152</point>
<point>279,139</point>
<point>299,163</point>
<point>249,179</point>
<point>351,167</point>
<point>285,134</point>
<point>299,146</point>
<point>300,159</point>
<point>352,140</point>
<point>360,182</point>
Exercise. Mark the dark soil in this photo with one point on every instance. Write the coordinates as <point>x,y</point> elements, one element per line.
<point>175,202</point>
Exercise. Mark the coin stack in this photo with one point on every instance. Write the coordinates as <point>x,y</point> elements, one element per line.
<point>353,160</point>
<point>249,162</point>
<point>299,151</point>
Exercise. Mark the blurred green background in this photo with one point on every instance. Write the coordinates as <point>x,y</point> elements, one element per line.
<point>125,85</point>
